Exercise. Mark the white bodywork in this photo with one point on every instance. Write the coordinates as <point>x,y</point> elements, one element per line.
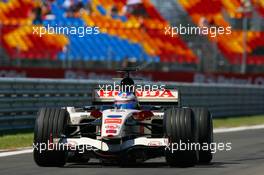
<point>113,123</point>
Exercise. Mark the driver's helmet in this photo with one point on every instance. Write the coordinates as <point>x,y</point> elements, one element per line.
<point>127,85</point>
<point>126,100</point>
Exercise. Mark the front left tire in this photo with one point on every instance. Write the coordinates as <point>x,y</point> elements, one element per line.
<point>180,128</point>
<point>205,133</point>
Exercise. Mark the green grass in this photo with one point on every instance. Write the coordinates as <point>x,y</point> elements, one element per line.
<point>17,139</point>
<point>238,121</point>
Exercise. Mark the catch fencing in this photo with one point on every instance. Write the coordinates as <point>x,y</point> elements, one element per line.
<point>21,98</point>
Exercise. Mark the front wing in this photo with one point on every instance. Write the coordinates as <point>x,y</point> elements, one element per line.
<point>94,144</point>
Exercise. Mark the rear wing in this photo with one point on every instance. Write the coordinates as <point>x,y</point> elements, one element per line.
<point>160,97</point>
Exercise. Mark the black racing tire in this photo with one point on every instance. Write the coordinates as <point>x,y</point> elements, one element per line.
<point>180,128</point>
<point>205,133</point>
<point>50,123</point>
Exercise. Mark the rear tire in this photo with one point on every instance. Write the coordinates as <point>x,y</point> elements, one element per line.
<point>50,122</point>
<point>205,130</point>
<point>180,128</point>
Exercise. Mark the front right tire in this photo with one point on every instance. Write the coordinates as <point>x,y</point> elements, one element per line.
<point>50,123</point>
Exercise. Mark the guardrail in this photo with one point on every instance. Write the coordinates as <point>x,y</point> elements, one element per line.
<point>20,99</point>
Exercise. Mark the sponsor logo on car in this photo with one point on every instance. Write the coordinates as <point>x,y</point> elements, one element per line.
<point>117,110</point>
<point>113,126</point>
<point>111,131</point>
<point>154,143</point>
<point>165,93</point>
<point>114,121</point>
<point>114,116</point>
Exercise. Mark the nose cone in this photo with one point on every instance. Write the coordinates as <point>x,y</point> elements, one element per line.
<point>112,124</point>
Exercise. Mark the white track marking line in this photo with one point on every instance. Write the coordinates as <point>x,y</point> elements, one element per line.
<point>11,153</point>
<point>219,130</point>
<point>241,128</point>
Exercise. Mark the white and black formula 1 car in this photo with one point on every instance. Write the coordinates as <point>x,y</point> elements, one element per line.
<point>123,132</point>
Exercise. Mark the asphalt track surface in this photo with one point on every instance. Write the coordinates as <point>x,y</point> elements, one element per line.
<point>245,158</point>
